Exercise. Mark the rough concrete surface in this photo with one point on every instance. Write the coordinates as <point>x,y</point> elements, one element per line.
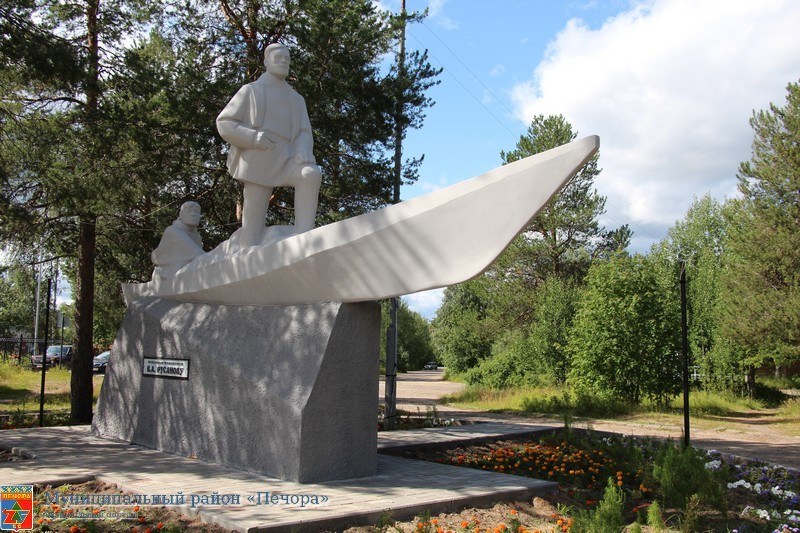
<point>285,391</point>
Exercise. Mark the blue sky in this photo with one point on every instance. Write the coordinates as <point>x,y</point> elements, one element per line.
<point>668,85</point>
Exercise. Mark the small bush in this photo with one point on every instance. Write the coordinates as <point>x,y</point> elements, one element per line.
<point>608,517</point>
<point>682,474</point>
<point>578,403</point>
<point>655,519</point>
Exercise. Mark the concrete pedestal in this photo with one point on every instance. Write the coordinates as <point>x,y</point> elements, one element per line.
<point>286,391</point>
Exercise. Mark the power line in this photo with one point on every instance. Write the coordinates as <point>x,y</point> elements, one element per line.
<point>463,86</point>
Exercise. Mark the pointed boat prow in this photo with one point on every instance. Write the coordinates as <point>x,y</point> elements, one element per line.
<point>445,237</point>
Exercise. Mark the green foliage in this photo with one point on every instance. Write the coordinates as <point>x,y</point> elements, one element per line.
<point>414,346</point>
<point>625,339</point>
<point>691,516</point>
<point>386,521</point>
<point>655,518</point>
<point>681,474</point>
<point>96,166</point>
<point>548,335</point>
<point>507,366</point>
<point>760,308</point>
<point>511,325</point>
<point>577,403</point>
<point>698,240</point>
<point>609,515</point>
<point>461,334</point>
<point>17,294</point>
<point>717,403</point>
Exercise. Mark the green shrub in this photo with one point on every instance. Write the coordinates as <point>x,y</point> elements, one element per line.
<point>608,517</point>
<point>577,403</point>
<point>655,519</point>
<point>682,474</point>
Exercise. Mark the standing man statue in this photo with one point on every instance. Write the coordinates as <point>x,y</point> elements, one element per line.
<point>267,124</point>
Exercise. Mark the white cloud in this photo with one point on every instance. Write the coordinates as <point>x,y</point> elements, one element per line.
<point>426,302</point>
<point>436,12</point>
<point>497,70</point>
<point>669,86</point>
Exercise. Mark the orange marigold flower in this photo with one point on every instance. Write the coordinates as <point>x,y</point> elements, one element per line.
<point>141,519</point>
<point>136,509</point>
<point>619,483</point>
<point>514,511</point>
<point>465,524</point>
<point>160,525</point>
<point>74,529</point>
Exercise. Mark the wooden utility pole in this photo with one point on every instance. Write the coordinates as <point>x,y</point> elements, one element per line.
<point>390,389</point>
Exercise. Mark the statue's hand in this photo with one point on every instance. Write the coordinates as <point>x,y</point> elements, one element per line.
<point>264,142</point>
<point>304,158</point>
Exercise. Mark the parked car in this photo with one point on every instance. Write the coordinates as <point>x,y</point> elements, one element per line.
<point>431,365</point>
<point>56,355</point>
<point>100,362</point>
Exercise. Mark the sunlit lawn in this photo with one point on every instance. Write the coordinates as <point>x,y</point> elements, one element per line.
<point>708,410</point>
<point>20,388</point>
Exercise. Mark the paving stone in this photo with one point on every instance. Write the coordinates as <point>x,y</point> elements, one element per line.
<point>403,486</point>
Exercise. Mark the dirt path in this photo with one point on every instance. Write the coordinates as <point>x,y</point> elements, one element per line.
<point>747,435</point>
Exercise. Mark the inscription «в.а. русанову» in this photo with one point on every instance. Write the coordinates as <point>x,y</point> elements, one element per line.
<point>165,368</point>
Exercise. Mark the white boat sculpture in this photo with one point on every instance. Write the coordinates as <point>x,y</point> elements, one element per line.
<point>431,241</point>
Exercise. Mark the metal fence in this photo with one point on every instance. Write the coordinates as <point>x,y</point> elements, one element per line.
<point>20,349</point>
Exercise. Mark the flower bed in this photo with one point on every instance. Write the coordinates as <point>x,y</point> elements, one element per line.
<point>715,492</point>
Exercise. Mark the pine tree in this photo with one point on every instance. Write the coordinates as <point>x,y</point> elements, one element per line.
<point>760,310</point>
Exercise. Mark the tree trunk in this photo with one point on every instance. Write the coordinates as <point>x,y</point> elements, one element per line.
<point>750,380</point>
<point>81,379</point>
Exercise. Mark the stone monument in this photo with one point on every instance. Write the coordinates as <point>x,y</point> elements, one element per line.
<point>263,353</point>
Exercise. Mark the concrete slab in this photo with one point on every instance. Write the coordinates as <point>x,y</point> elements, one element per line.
<point>403,486</point>
<point>389,441</point>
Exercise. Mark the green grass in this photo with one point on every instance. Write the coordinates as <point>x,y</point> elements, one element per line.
<point>711,404</point>
<point>487,399</point>
<point>562,401</point>
<point>788,416</point>
<point>20,388</point>
<point>553,400</point>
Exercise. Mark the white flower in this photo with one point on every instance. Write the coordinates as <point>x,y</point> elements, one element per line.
<point>763,514</point>
<point>713,465</point>
<point>776,490</point>
<point>757,488</point>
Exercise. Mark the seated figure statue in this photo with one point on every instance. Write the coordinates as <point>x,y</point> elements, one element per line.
<point>180,244</point>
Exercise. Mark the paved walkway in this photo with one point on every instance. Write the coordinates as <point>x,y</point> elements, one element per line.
<point>404,486</point>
